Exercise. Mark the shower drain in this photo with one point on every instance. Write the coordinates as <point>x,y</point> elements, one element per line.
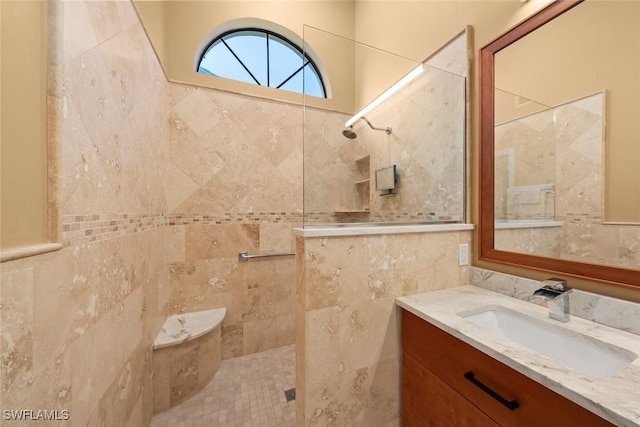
<point>290,394</point>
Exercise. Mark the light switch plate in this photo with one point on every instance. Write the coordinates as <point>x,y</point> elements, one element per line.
<point>463,254</point>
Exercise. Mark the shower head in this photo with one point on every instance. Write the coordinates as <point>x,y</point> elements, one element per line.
<point>349,133</point>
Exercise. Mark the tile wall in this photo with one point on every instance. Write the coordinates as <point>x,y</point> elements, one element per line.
<point>161,185</point>
<point>77,324</point>
<point>563,182</point>
<point>348,335</point>
<point>348,326</point>
<point>525,162</point>
<point>427,144</point>
<point>330,170</point>
<point>234,185</point>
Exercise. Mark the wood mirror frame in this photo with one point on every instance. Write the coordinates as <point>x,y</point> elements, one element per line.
<point>600,273</point>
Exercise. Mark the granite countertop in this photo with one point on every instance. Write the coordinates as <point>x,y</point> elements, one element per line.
<point>616,398</point>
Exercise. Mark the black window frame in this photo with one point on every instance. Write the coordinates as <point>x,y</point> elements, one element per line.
<point>268,33</point>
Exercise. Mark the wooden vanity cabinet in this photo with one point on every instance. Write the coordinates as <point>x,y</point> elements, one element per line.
<point>436,391</point>
<point>427,397</point>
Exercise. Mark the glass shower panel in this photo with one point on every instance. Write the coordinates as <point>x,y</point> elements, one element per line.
<point>417,126</point>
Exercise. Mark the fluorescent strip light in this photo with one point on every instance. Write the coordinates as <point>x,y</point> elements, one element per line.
<point>386,94</point>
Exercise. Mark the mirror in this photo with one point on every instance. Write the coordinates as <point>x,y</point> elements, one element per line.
<point>560,143</point>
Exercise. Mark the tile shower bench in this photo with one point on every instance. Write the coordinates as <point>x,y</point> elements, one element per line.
<point>186,355</point>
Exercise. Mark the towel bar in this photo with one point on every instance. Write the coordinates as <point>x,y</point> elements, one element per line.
<point>244,256</point>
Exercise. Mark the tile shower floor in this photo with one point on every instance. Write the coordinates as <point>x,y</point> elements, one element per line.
<point>246,391</point>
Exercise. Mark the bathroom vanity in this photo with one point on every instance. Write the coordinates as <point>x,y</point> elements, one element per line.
<point>455,372</point>
<point>481,388</point>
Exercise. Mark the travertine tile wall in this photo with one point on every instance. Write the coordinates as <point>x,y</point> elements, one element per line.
<point>77,324</point>
<point>525,159</point>
<point>427,144</point>
<point>579,200</point>
<point>348,328</point>
<point>556,152</point>
<point>182,370</point>
<point>542,241</point>
<point>348,335</point>
<point>161,186</point>
<point>330,170</point>
<point>234,185</point>
<point>579,143</point>
<point>573,165</point>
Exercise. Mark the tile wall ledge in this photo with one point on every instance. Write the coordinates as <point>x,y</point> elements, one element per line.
<point>363,230</point>
<point>524,223</point>
<point>27,251</point>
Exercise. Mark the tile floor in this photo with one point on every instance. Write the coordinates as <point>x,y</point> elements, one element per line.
<point>246,391</point>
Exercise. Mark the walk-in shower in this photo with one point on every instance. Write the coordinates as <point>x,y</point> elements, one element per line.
<point>419,111</point>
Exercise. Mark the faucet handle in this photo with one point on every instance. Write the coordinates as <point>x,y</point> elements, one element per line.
<point>557,292</point>
<point>559,285</point>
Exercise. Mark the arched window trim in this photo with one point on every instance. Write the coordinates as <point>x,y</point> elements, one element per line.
<point>247,24</point>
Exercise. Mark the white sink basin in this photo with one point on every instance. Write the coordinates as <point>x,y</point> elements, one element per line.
<point>585,354</point>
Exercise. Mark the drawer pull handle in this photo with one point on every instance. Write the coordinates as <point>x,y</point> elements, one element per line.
<point>511,404</point>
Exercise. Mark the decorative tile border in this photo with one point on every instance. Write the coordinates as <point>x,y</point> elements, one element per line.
<point>87,228</point>
<point>234,218</point>
<point>80,229</point>
<point>414,216</point>
<point>363,216</point>
<point>321,217</point>
<point>581,218</point>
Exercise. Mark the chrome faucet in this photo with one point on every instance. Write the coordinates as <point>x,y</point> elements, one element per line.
<point>557,293</point>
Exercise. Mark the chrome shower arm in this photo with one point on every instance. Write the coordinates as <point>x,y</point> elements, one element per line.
<point>387,130</point>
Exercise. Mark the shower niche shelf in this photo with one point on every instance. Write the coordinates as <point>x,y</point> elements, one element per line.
<point>362,183</point>
<point>362,190</point>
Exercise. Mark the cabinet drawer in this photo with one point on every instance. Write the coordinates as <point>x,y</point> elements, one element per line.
<point>428,401</point>
<point>449,358</point>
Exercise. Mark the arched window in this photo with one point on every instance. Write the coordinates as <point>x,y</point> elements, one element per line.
<point>264,58</point>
